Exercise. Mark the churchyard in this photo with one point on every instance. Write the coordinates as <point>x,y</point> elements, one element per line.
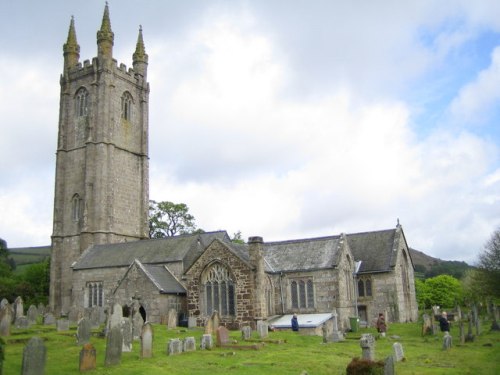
<point>179,351</point>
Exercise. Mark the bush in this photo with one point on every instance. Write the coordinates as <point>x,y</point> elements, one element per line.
<point>365,367</point>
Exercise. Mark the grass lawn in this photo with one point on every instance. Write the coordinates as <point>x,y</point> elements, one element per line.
<point>424,355</point>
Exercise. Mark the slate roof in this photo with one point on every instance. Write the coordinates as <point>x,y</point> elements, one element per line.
<point>165,250</point>
<point>374,249</point>
<point>305,254</point>
<point>163,279</point>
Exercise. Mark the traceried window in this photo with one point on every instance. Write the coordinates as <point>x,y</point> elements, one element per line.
<point>127,106</point>
<point>76,207</point>
<point>82,102</point>
<point>364,287</point>
<point>219,290</point>
<point>302,294</point>
<point>94,294</point>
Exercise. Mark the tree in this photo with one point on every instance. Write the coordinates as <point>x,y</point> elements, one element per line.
<point>489,265</point>
<point>238,238</point>
<point>442,290</point>
<point>167,219</point>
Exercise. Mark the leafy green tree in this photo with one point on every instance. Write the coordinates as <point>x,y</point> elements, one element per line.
<point>238,238</point>
<point>422,292</point>
<point>443,290</point>
<point>37,280</point>
<point>489,265</point>
<point>168,219</point>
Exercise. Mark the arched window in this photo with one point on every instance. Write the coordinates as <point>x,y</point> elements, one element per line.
<point>368,288</point>
<point>361,288</point>
<point>295,295</point>
<point>302,293</point>
<point>94,294</point>
<point>82,102</point>
<point>76,207</point>
<point>127,106</point>
<point>219,290</point>
<point>310,293</point>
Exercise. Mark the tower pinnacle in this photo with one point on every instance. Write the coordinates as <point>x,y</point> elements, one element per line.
<point>71,49</point>
<point>105,37</point>
<point>140,57</point>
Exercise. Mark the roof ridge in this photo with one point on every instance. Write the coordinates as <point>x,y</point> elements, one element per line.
<point>303,240</point>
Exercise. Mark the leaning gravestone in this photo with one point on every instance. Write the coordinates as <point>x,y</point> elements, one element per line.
<point>367,343</point>
<point>246,333</point>
<point>447,341</point>
<point>147,341</point>
<point>127,335</point>
<point>87,358</point>
<point>174,347</point>
<point>18,307</point>
<point>34,357</point>
<point>189,344</point>
<point>5,320</point>
<point>32,314</point>
<point>83,331</point>
<point>22,322</point>
<point>397,349</point>
<point>206,342</point>
<point>114,343</point>
<point>172,319</point>
<point>262,329</point>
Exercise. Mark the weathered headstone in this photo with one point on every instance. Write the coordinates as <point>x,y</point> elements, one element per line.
<point>426,325</point>
<point>172,319</point>
<point>5,320</point>
<point>189,344</point>
<point>206,342</point>
<point>127,335</point>
<point>41,309</point>
<point>22,322</point>
<point>75,314</point>
<point>262,329</point>
<point>209,326</point>
<point>62,325</point>
<point>34,357</point>
<point>94,317</point>
<point>114,343</point>
<point>447,340</point>
<point>397,349</point>
<point>18,307</point>
<point>3,302</point>
<point>48,319</point>
<point>174,347</point>
<point>191,322</point>
<point>83,331</point>
<point>389,366</point>
<point>137,324</point>
<point>246,332</point>
<point>337,335</point>
<point>367,343</point>
<point>147,341</point>
<point>32,314</point>
<point>477,320</point>
<point>222,336</point>
<point>116,317</point>
<point>88,358</point>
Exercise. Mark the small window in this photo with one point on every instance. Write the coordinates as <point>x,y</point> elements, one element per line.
<point>369,288</point>
<point>302,294</point>
<point>361,288</point>
<point>76,207</point>
<point>94,294</point>
<point>82,102</point>
<point>127,106</point>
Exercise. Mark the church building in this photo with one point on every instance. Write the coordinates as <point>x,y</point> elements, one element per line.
<point>101,253</point>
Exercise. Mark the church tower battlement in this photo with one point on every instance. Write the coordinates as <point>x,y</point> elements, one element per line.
<point>102,169</point>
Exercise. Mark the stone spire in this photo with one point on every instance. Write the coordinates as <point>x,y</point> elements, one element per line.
<point>71,49</point>
<point>105,37</point>
<point>140,57</point>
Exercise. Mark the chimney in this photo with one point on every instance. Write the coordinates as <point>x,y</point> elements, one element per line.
<point>255,247</point>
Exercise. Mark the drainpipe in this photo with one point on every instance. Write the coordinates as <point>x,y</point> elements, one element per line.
<point>281,294</point>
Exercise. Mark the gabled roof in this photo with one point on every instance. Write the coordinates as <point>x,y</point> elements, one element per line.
<point>165,250</point>
<point>305,254</point>
<point>376,250</point>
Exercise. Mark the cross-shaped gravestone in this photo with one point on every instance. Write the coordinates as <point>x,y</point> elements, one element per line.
<point>367,343</point>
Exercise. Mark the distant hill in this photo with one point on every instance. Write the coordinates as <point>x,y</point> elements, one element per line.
<point>427,266</point>
<point>29,255</point>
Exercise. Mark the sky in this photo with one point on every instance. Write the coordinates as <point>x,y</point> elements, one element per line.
<point>281,119</point>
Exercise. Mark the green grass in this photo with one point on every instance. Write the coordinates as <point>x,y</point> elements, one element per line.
<point>299,353</point>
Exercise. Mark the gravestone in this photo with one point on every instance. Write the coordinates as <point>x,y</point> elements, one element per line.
<point>94,316</point>
<point>246,333</point>
<point>62,325</point>
<point>5,320</point>
<point>367,343</point>
<point>137,325</point>
<point>189,344</point>
<point>172,319</point>
<point>18,307</point>
<point>83,331</point>
<point>22,322</point>
<point>147,341</point>
<point>389,368</point>
<point>114,343</point>
<point>397,349</point>
<point>88,358</point>
<point>209,326</point>
<point>262,329</point>
<point>174,347</point>
<point>48,319</point>
<point>337,335</point>
<point>116,317</point>
<point>32,314</point>
<point>426,325</point>
<point>222,336</point>
<point>127,335</point>
<point>3,303</point>
<point>41,309</point>
<point>206,342</point>
<point>477,320</point>
<point>34,357</point>
<point>191,322</point>
<point>447,341</point>
<point>74,315</point>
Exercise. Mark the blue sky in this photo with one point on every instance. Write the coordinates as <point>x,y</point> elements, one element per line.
<point>281,119</point>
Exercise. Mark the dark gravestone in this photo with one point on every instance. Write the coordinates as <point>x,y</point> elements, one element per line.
<point>114,343</point>
<point>83,331</point>
<point>87,358</point>
<point>389,366</point>
<point>222,336</point>
<point>147,341</point>
<point>5,320</point>
<point>34,357</point>
<point>127,335</point>
<point>32,314</point>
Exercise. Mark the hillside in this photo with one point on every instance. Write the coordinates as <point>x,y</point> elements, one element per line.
<point>427,266</point>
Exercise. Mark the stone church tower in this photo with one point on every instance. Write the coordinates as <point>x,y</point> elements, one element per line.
<point>101,183</point>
